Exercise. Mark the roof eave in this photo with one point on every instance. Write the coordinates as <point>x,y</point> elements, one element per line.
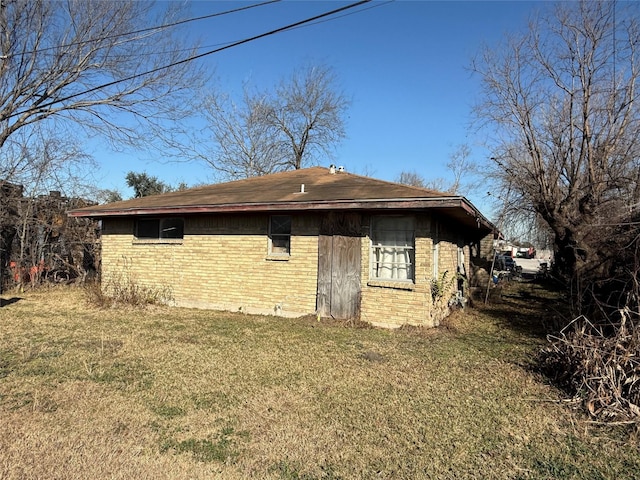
<point>268,206</point>
<point>368,204</point>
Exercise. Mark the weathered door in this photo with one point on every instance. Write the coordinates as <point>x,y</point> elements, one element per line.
<point>339,264</point>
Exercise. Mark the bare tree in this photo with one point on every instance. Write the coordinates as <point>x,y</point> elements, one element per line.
<point>461,168</point>
<point>107,195</point>
<point>274,131</point>
<point>563,101</point>
<point>41,159</point>
<point>411,178</point>
<point>37,236</point>
<point>246,143</point>
<point>69,68</point>
<point>308,111</point>
<point>92,63</point>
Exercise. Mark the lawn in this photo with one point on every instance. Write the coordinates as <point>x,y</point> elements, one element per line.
<point>168,393</point>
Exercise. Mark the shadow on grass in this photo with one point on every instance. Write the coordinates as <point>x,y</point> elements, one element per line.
<point>513,325</point>
<point>4,303</point>
<point>532,308</point>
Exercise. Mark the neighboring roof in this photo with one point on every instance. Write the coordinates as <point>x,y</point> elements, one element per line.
<point>298,190</point>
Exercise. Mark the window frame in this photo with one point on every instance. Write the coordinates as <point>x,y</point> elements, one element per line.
<point>376,246</point>
<point>286,234</point>
<point>163,225</point>
<point>435,251</point>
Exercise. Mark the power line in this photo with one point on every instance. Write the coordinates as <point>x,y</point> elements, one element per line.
<point>216,45</point>
<point>375,5</point>
<point>148,29</point>
<point>191,58</point>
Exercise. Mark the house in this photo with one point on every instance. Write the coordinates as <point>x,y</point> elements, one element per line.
<point>311,241</point>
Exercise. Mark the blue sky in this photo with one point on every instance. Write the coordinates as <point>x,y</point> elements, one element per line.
<point>404,64</point>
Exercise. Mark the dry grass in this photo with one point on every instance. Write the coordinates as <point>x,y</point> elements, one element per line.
<point>167,393</point>
<point>599,366</point>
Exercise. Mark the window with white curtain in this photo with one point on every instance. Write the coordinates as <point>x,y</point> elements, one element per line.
<point>393,248</point>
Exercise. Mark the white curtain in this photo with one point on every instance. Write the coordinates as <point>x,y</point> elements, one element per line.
<point>393,242</point>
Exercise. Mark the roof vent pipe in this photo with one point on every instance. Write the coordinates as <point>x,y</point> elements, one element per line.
<point>332,169</point>
<point>302,188</point>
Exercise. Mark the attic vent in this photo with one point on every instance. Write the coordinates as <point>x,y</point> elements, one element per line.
<point>340,169</point>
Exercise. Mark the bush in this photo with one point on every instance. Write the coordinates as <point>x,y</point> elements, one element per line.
<point>599,365</point>
<point>123,290</point>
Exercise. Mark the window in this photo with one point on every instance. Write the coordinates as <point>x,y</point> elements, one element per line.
<point>461,262</point>
<point>435,260</point>
<point>280,235</point>
<point>392,248</point>
<point>155,228</point>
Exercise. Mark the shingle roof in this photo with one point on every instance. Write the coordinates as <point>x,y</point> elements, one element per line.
<point>305,189</point>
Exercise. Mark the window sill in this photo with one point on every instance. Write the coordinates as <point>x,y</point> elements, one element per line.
<point>397,285</point>
<point>283,257</point>
<point>157,241</point>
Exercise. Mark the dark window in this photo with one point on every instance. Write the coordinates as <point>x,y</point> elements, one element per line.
<point>280,234</point>
<point>148,228</point>
<point>155,228</point>
<point>171,228</point>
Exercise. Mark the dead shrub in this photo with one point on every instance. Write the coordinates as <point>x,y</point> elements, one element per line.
<point>95,296</point>
<point>599,365</point>
<point>124,290</point>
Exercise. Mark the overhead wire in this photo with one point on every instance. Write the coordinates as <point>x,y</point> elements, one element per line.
<point>375,5</point>
<point>216,45</point>
<point>42,107</point>
<point>149,29</point>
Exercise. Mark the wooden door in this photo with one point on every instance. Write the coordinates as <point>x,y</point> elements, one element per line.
<point>339,263</point>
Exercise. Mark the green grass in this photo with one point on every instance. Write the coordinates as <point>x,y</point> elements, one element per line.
<point>161,392</point>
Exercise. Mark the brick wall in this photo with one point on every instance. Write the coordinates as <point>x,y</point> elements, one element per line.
<point>481,259</point>
<point>223,263</point>
<point>392,304</point>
